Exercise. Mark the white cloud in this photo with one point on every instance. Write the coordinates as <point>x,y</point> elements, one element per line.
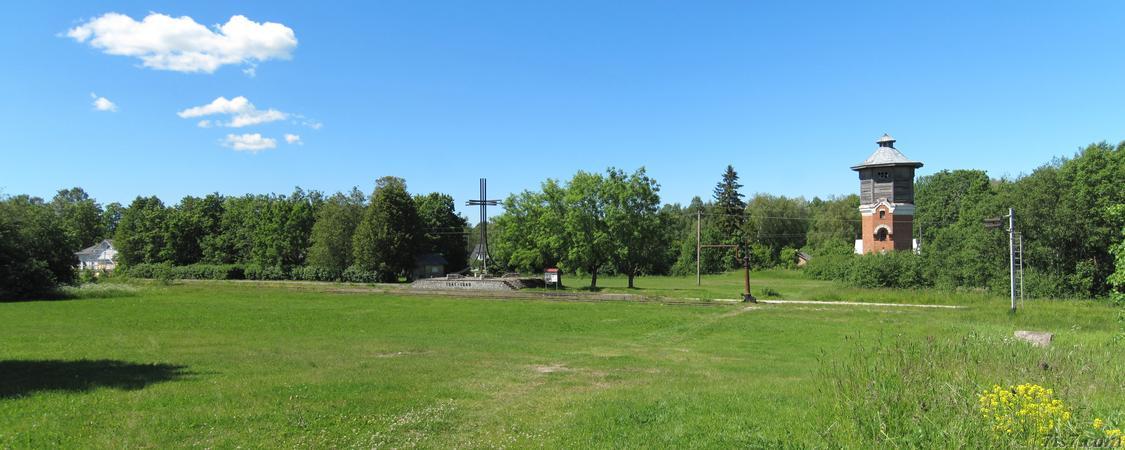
<point>242,112</point>
<point>293,139</point>
<point>204,123</point>
<point>103,104</point>
<point>181,44</point>
<point>252,143</point>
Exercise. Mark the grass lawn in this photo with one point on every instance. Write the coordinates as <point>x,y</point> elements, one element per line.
<point>225,364</point>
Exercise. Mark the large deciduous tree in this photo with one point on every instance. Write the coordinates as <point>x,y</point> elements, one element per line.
<point>443,230</point>
<point>387,238</point>
<point>775,222</point>
<point>632,222</point>
<point>834,225</point>
<point>590,246</point>
<point>140,235</point>
<point>531,235</point>
<point>81,217</point>
<point>35,251</point>
<point>334,230</point>
<point>188,224</point>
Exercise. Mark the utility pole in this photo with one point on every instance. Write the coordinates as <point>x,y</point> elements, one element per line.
<point>1012,256</point>
<point>698,246</point>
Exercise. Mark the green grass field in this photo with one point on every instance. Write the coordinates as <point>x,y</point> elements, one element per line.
<point>226,364</point>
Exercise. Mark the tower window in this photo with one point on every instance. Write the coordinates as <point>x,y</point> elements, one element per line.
<point>881,235</point>
<point>882,214</point>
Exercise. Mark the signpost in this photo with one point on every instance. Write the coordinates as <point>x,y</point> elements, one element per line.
<point>553,276</point>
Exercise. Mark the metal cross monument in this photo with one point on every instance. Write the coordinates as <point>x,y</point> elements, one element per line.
<point>481,251</point>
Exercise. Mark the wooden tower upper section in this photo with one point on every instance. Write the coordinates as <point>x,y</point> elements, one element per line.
<point>886,175</point>
<point>886,197</point>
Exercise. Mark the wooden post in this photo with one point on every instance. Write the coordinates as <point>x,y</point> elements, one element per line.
<point>698,246</point>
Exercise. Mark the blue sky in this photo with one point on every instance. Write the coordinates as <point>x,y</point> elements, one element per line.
<point>442,93</point>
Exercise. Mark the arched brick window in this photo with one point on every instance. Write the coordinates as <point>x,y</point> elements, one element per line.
<point>881,234</point>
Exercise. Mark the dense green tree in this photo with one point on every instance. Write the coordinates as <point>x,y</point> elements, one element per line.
<point>712,260</point>
<point>1095,178</point>
<point>1066,240</point>
<point>334,230</point>
<point>940,198</point>
<point>589,244</point>
<point>140,235</point>
<point>676,226</point>
<point>188,224</point>
<point>81,217</point>
<point>530,235</point>
<point>775,222</point>
<point>282,235</point>
<point>266,230</point>
<point>110,217</point>
<point>387,238</point>
<point>235,237</point>
<point>443,230</point>
<point>1116,215</point>
<point>834,225</point>
<point>35,251</point>
<point>633,224</point>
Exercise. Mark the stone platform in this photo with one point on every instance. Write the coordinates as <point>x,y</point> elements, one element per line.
<point>477,284</point>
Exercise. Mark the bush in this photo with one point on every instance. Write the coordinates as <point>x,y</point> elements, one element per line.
<point>356,274</point>
<point>148,270</point>
<point>829,266</point>
<point>208,272</point>
<point>315,273</point>
<point>166,271</point>
<point>257,272</point>
<point>890,270</point>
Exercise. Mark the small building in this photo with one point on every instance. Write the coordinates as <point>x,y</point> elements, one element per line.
<point>802,259</point>
<point>886,197</point>
<point>97,257</point>
<point>429,265</point>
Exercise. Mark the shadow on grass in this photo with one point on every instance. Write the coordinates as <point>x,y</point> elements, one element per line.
<point>83,292</point>
<point>23,377</point>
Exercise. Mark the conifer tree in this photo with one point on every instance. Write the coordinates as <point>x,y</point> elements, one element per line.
<point>729,207</point>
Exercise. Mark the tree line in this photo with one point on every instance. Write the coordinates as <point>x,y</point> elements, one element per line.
<point>302,235</point>
<point>1069,212</point>
<point>615,223</point>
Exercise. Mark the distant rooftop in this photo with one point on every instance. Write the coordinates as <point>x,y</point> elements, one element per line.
<point>886,155</point>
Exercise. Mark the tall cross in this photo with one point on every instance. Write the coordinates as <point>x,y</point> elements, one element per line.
<point>484,203</point>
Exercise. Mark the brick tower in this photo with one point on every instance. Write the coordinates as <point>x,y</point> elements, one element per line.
<point>886,197</point>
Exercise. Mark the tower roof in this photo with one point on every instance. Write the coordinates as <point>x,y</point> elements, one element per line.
<point>886,155</point>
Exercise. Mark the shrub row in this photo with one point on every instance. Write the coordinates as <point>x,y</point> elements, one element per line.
<point>250,272</point>
<point>892,270</point>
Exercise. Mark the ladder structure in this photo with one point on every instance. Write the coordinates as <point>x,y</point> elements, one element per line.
<point>1017,262</point>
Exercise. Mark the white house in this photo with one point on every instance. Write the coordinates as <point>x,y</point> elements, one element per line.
<point>97,257</point>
